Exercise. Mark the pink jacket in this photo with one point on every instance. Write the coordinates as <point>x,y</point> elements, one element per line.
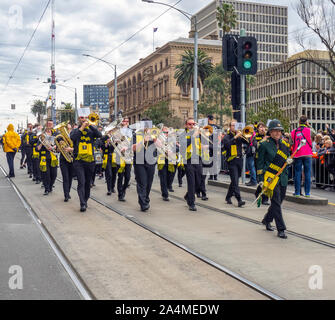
<point>303,132</point>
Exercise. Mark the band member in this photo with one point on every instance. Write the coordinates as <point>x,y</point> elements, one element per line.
<point>11,143</point>
<point>233,146</point>
<point>272,155</point>
<point>211,123</point>
<point>166,165</point>
<point>190,148</point>
<point>259,137</point>
<point>107,165</point>
<point>67,169</point>
<point>48,158</point>
<point>83,164</point>
<point>145,158</point>
<point>23,161</point>
<point>36,155</point>
<point>28,149</point>
<point>124,168</point>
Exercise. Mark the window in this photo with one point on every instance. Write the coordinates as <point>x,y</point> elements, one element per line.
<point>166,62</point>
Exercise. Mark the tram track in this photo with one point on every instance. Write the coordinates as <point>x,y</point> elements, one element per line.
<point>65,262</point>
<point>293,233</point>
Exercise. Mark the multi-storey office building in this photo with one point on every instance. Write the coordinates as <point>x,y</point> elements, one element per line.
<point>267,23</point>
<point>152,81</point>
<point>299,91</point>
<point>97,95</point>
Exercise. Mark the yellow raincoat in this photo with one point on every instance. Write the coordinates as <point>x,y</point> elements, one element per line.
<point>11,140</point>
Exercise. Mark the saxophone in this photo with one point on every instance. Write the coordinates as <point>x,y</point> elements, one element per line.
<point>63,141</point>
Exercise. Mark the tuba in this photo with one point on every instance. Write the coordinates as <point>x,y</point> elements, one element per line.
<point>63,141</point>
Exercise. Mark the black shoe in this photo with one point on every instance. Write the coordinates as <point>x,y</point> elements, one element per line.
<point>34,179</point>
<point>66,199</point>
<point>21,167</point>
<point>192,208</point>
<point>113,190</point>
<point>46,193</point>
<point>281,234</point>
<point>241,203</point>
<point>37,182</point>
<point>266,203</point>
<point>171,190</point>
<point>166,199</point>
<point>268,226</point>
<point>122,199</point>
<point>211,178</point>
<point>251,184</point>
<point>145,208</point>
<point>109,193</point>
<point>215,178</point>
<point>204,198</point>
<point>229,201</point>
<point>180,185</point>
<point>82,208</point>
<point>198,195</point>
<point>69,196</point>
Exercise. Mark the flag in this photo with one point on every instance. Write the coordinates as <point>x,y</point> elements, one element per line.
<point>155,29</point>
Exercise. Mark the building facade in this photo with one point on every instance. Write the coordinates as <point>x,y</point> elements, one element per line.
<point>298,88</point>
<point>96,95</point>
<point>152,81</point>
<point>267,23</point>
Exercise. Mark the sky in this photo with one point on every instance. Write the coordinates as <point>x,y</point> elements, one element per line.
<point>119,31</point>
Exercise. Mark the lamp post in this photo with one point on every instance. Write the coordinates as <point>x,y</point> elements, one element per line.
<point>75,101</point>
<point>195,71</point>
<point>113,66</point>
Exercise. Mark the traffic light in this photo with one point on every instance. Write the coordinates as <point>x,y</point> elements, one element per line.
<point>247,55</point>
<point>229,48</point>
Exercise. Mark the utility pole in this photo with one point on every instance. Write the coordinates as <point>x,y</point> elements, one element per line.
<point>53,62</point>
<point>243,77</point>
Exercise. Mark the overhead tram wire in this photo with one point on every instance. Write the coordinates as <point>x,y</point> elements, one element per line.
<point>122,43</point>
<point>26,48</point>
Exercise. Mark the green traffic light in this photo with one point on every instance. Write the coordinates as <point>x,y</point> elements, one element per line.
<point>247,64</point>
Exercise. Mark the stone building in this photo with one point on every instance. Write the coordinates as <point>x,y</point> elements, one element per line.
<point>299,91</point>
<point>152,81</point>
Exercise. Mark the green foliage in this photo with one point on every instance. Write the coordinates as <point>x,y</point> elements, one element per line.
<point>184,70</point>
<point>226,17</point>
<point>160,113</point>
<point>38,109</point>
<point>269,110</point>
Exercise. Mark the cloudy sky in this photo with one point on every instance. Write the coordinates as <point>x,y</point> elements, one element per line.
<point>120,31</point>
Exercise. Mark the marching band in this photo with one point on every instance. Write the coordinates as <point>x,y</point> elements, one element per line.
<point>193,152</point>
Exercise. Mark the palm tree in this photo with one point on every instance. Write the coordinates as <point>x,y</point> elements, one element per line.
<point>185,70</point>
<point>226,17</point>
<point>39,109</point>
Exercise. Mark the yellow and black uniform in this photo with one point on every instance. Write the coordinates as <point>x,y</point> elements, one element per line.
<point>108,165</point>
<point>35,158</point>
<point>83,163</point>
<point>145,159</point>
<point>28,147</point>
<point>234,158</point>
<point>190,150</point>
<point>48,164</point>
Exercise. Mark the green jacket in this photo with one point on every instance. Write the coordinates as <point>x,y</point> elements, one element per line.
<point>266,153</point>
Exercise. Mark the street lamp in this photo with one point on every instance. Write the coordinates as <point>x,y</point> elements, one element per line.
<point>113,66</point>
<point>75,101</point>
<point>195,71</point>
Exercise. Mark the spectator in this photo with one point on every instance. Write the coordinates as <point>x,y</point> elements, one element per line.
<point>303,158</point>
<point>11,144</point>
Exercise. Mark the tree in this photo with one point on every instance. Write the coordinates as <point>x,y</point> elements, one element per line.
<point>268,111</point>
<point>226,17</point>
<point>160,113</point>
<point>67,114</point>
<point>185,70</point>
<point>216,91</point>
<point>39,109</point>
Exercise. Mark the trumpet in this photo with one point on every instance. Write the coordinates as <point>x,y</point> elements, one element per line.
<point>93,119</point>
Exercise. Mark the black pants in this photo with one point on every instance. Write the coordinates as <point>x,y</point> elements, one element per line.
<point>166,179</point>
<point>84,171</point>
<point>170,178</point>
<point>23,156</point>
<point>36,169</point>
<point>275,211</point>
<point>123,179</point>
<point>29,153</point>
<point>181,173</point>
<point>49,176</point>
<point>144,175</point>
<point>193,175</point>
<point>67,173</point>
<point>235,169</point>
<point>111,174</point>
<point>10,160</point>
